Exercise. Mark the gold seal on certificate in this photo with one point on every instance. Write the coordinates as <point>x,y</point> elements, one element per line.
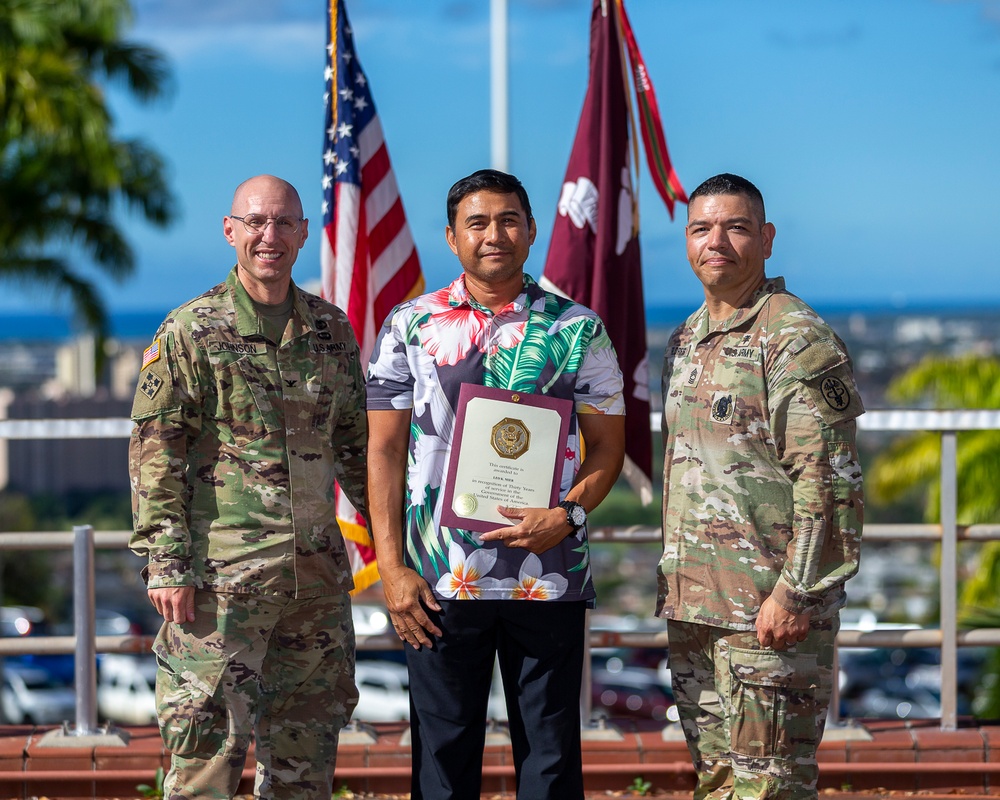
<point>509,449</point>
<point>465,504</point>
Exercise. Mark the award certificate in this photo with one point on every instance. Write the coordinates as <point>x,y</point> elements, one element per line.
<point>508,450</point>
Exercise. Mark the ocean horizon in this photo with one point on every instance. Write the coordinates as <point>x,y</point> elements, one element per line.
<point>142,324</point>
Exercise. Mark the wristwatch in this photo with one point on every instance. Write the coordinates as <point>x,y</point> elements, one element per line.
<point>576,515</point>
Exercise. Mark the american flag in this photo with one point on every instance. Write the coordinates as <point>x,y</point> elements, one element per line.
<point>369,262</point>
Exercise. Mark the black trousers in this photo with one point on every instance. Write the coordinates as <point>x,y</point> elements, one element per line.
<point>539,646</point>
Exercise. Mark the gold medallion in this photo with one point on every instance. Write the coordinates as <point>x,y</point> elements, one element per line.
<point>511,438</point>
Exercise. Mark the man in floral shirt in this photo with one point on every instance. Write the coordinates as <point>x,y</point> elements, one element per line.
<point>450,591</point>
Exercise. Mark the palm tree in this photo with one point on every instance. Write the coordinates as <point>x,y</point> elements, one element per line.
<point>63,174</point>
<point>948,383</point>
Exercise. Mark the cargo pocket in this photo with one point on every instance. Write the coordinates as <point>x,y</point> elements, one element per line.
<point>189,705</point>
<point>773,702</point>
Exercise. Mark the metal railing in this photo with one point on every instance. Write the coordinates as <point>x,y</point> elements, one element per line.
<point>948,533</point>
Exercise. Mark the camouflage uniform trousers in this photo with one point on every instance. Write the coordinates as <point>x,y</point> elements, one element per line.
<point>278,668</point>
<point>752,716</point>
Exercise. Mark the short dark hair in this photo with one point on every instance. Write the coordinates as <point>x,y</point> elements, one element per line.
<point>727,183</point>
<point>486,180</point>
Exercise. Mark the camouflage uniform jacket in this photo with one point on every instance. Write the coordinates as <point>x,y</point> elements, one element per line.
<point>762,486</point>
<point>237,444</point>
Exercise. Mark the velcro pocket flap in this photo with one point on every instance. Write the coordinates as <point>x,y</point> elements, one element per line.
<point>774,668</point>
<point>810,359</point>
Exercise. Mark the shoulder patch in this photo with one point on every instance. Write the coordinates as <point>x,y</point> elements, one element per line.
<point>834,396</point>
<point>835,392</point>
<point>151,353</point>
<point>155,391</point>
<point>150,384</point>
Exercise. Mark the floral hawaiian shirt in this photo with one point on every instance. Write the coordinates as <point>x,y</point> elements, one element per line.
<point>539,343</point>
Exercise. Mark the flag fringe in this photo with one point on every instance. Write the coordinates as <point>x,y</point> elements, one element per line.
<point>355,533</point>
<point>365,577</point>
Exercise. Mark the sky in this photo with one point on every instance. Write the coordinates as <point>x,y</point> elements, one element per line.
<point>872,127</point>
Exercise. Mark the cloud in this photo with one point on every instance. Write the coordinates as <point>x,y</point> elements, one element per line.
<point>185,14</point>
<point>281,31</point>
<point>991,14</point>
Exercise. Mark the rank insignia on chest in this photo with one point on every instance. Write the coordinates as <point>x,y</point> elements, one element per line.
<point>151,384</point>
<point>723,406</point>
<point>693,375</point>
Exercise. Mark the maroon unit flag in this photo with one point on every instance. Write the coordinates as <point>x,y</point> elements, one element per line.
<point>369,261</point>
<point>594,251</point>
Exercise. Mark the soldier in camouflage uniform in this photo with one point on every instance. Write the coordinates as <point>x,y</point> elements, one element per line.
<point>250,405</point>
<point>762,508</point>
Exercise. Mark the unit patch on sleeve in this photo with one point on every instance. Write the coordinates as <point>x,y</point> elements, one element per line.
<point>150,384</point>
<point>154,392</point>
<point>835,392</point>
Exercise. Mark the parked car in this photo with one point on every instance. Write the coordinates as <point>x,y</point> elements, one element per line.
<point>114,623</point>
<point>20,620</point>
<point>27,621</point>
<point>32,695</point>
<point>126,689</point>
<point>384,692</point>
<point>893,700</point>
<point>632,692</point>
<point>370,619</point>
<point>898,682</point>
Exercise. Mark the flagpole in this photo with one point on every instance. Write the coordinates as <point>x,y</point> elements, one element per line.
<point>499,127</point>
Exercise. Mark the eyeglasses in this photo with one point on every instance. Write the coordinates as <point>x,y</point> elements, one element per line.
<point>257,223</point>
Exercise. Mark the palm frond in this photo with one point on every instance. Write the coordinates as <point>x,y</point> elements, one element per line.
<point>63,174</point>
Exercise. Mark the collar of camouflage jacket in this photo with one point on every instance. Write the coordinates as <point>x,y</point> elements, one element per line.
<point>701,325</point>
<point>248,322</point>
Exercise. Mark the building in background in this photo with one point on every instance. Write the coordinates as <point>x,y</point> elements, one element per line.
<point>59,382</point>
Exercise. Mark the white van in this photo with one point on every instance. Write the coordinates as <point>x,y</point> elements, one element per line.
<point>126,689</point>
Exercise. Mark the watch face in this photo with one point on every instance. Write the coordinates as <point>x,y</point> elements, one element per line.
<point>578,516</point>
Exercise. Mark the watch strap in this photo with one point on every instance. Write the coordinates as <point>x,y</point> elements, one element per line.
<point>573,510</point>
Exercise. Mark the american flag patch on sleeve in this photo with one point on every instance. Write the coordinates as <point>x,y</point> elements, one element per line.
<point>151,353</point>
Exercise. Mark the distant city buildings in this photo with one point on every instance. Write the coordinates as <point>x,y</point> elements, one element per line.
<point>56,380</point>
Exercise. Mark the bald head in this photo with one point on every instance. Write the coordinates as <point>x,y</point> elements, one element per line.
<point>252,189</point>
